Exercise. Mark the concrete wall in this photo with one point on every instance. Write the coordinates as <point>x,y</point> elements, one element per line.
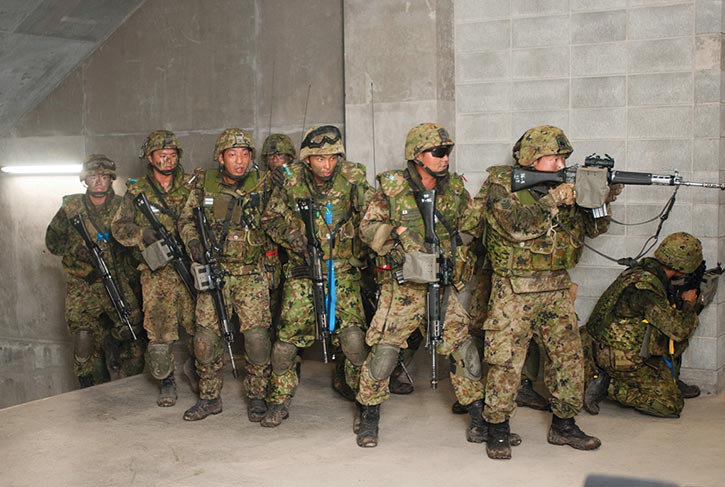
<point>195,67</point>
<point>639,80</point>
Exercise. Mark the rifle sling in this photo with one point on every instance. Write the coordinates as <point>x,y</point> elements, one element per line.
<point>165,207</point>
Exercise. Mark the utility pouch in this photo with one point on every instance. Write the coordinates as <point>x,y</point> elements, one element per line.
<point>201,274</point>
<point>420,268</point>
<point>157,255</point>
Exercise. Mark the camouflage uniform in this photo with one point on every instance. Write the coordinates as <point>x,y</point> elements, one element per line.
<point>636,299</point>
<point>234,212</point>
<point>346,193</point>
<point>91,317</point>
<point>167,303</point>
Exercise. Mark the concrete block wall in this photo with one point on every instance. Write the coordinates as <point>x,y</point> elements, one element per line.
<point>640,80</point>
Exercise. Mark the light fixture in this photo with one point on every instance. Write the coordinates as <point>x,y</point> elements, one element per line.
<point>45,169</point>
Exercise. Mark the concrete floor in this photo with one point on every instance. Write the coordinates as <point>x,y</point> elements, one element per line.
<point>115,435</point>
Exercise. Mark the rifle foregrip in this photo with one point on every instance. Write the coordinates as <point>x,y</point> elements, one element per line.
<point>629,177</point>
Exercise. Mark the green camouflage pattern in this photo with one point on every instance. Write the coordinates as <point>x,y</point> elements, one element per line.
<point>278,144</point>
<point>327,137</point>
<point>681,252</point>
<point>232,138</point>
<point>98,164</point>
<point>425,136</point>
<point>649,389</point>
<point>544,140</point>
<point>157,140</point>
<point>87,305</point>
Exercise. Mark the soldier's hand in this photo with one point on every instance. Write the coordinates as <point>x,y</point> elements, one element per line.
<point>411,241</point>
<point>690,296</point>
<point>82,254</point>
<point>297,242</point>
<point>614,191</point>
<point>563,194</point>
<point>149,236</point>
<point>196,251</point>
<point>278,176</point>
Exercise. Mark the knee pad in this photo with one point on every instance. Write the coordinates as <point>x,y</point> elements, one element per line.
<point>160,360</point>
<point>466,361</point>
<point>383,360</point>
<point>257,346</point>
<point>283,357</point>
<point>352,341</point>
<point>82,346</point>
<point>206,344</point>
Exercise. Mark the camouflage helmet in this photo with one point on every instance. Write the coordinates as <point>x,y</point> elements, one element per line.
<point>680,252</point>
<point>426,136</point>
<point>322,140</point>
<point>233,138</point>
<point>157,140</point>
<point>278,144</point>
<point>98,164</point>
<point>544,140</point>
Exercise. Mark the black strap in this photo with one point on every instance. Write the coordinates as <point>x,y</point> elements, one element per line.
<point>99,228</point>
<point>166,209</point>
<point>452,231</point>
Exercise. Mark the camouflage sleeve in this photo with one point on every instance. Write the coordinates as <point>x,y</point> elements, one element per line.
<point>375,226</point>
<point>187,222</point>
<point>593,227</point>
<point>471,215</point>
<point>278,219</point>
<point>57,237</point>
<point>678,324</point>
<point>515,221</point>
<point>124,227</point>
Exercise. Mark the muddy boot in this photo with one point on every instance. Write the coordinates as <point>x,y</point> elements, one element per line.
<point>203,408</point>
<point>688,391</point>
<point>477,430</point>
<point>191,375</point>
<point>357,417</point>
<point>566,432</point>
<point>458,408</point>
<point>498,443</point>
<point>596,391</point>
<point>529,398</point>
<point>397,386</point>
<point>256,410</point>
<point>86,381</point>
<point>339,384</point>
<point>367,436</point>
<point>275,414</point>
<point>167,392</point>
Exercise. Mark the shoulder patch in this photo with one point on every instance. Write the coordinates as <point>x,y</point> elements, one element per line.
<point>392,183</point>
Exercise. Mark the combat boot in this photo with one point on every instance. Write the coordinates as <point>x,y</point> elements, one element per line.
<point>191,375</point>
<point>367,436</point>
<point>529,398</point>
<point>498,445</point>
<point>397,386</point>
<point>357,417</point>
<point>477,430</point>
<point>688,391</point>
<point>275,414</point>
<point>458,408</point>
<point>596,391</point>
<point>167,392</point>
<point>203,408</point>
<point>339,384</point>
<point>256,410</point>
<point>564,431</point>
<point>86,381</point>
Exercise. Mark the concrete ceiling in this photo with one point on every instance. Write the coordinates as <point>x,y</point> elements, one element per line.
<point>41,41</point>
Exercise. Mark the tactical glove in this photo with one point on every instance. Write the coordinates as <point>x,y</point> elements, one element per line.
<point>563,194</point>
<point>614,191</point>
<point>297,242</point>
<point>196,251</point>
<point>83,254</point>
<point>278,176</point>
<point>411,241</point>
<point>149,236</point>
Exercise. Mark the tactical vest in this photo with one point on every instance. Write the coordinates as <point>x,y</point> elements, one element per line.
<point>553,251</point>
<point>404,209</point>
<point>234,214</point>
<point>174,198</point>
<point>345,194</point>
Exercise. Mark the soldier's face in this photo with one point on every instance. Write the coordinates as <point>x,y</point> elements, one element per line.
<point>551,163</point>
<point>164,159</point>
<point>236,160</point>
<point>278,160</point>
<point>436,164</point>
<point>322,166</point>
<point>98,183</point>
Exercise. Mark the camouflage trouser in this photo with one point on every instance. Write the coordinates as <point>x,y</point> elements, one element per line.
<point>88,309</point>
<point>650,389</point>
<point>401,311</point>
<point>298,327</point>
<point>166,305</point>
<point>247,297</point>
<point>513,320</point>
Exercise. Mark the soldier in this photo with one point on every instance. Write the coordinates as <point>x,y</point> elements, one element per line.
<point>338,191</point>
<point>233,198</point>
<point>102,344</point>
<point>639,336</point>
<point>167,303</point>
<point>278,151</point>
<point>534,236</point>
<point>393,227</point>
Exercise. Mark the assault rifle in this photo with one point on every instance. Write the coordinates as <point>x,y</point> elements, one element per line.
<point>215,281</point>
<point>436,309</point>
<point>114,294</point>
<point>315,254</point>
<point>175,251</point>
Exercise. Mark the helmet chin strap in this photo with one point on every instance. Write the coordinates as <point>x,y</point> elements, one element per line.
<point>435,174</point>
<point>233,176</point>
<point>99,194</point>
<point>165,172</point>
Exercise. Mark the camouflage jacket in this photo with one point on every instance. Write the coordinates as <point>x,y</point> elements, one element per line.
<point>234,213</point>
<point>637,298</point>
<point>129,223</point>
<point>63,239</point>
<point>530,240</point>
<point>346,194</point>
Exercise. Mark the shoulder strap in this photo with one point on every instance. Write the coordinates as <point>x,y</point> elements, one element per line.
<point>166,208</point>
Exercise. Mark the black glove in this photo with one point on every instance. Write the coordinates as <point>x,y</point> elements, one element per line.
<point>278,176</point>
<point>196,251</point>
<point>149,236</point>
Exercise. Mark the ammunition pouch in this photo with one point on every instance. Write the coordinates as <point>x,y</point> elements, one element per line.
<point>592,186</point>
<point>157,255</point>
<point>257,346</point>
<point>615,360</point>
<point>82,346</point>
<point>160,360</point>
<point>383,360</point>
<point>420,268</point>
<point>201,274</point>
<point>283,357</point>
<point>352,342</point>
